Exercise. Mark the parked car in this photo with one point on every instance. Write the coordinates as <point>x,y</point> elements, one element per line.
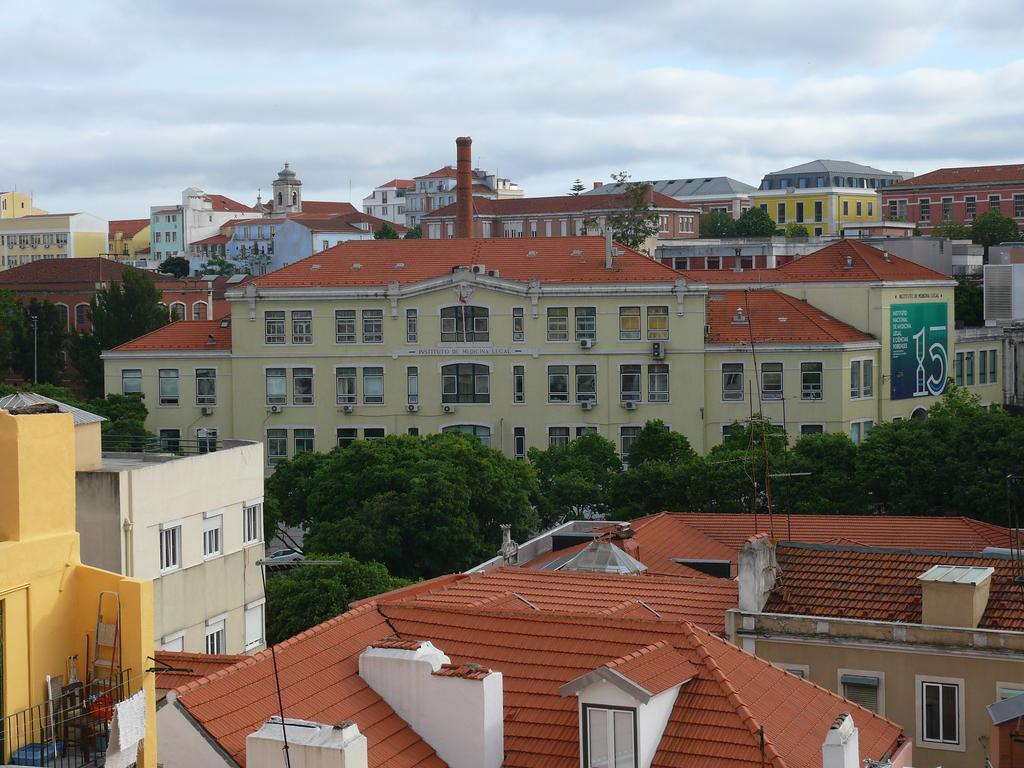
<point>283,556</point>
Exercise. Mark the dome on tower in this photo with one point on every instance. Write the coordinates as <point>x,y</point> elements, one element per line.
<point>287,176</point>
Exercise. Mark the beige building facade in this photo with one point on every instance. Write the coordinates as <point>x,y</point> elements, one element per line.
<point>50,236</point>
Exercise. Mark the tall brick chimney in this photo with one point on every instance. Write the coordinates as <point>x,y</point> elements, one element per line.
<point>464,187</point>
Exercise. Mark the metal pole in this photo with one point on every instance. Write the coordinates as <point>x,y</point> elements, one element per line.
<point>35,349</point>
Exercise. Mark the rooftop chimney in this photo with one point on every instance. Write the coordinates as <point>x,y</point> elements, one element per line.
<point>954,595</point>
<point>609,248</point>
<point>456,709</point>
<point>598,184</point>
<point>464,187</point>
<point>841,748</point>
<point>310,745</point>
<point>757,573</point>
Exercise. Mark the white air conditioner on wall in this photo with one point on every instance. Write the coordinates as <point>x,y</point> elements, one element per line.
<point>629,405</point>
<point>586,343</point>
<point>588,405</point>
<point>449,408</point>
<point>206,410</point>
<point>346,409</point>
<point>274,409</point>
<point>412,407</point>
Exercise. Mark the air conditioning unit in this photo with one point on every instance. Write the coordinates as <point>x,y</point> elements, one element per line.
<point>658,350</point>
<point>629,405</point>
<point>274,409</point>
<point>346,409</point>
<point>206,410</point>
<point>479,269</point>
<point>587,343</point>
<point>588,405</point>
<point>449,408</point>
<point>412,407</point>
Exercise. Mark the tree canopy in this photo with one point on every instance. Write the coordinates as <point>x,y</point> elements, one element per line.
<point>416,233</point>
<point>577,188</point>
<point>174,265</point>
<point>24,348</point>
<point>755,222</point>
<point>575,478</point>
<point>993,227</point>
<point>386,232</point>
<point>717,224</point>
<point>633,226</point>
<point>796,229</point>
<point>969,303</point>
<point>954,230</point>
<point>218,265</point>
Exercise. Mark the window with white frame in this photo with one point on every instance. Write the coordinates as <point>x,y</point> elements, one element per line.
<point>940,712</point>
<point>302,326</point>
<point>518,384</point>
<point>586,323</point>
<point>373,386</point>
<point>302,386</point>
<point>465,383</point>
<point>812,429</point>
<point>657,383</point>
<point>771,381</point>
<point>131,381</point>
<point>206,386</point>
<point>627,436</point>
<point>558,323</point>
<point>519,442</point>
<point>277,386</point>
<point>558,436</point>
<point>732,382</point>
<point>215,636</point>
<point>254,625</point>
<point>173,642</point>
<point>199,310</point>
<point>273,327</point>
<point>346,436</point>
<point>170,547</point>
<point>412,333</point>
<point>277,445</point>
<point>992,366</point>
<point>1008,690</point>
<point>252,522</point>
<point>518,324</point>
<point>303,441</point>
<point>345,326</point>
<point>346,385</point>
<point>558,383</point>
<point>811,381</point>
<point>629,384</point>
<point>373,326</point>
<point>586,383</point>
<point>213,527</point>
<point>609,738</point>
<point>657,323</point>
<point>629,323</point>
<point>465,323</point>
<point>862,378</point>
<point>863,688</point>
<point>169,390</point>
<point>859,430</point>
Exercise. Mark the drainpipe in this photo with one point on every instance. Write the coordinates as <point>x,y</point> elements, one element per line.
<point>129,535</point>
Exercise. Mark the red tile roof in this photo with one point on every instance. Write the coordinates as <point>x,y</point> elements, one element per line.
<point>828,264</point>
<point>772,317</point>
<point>175,668</point>
<point>700,600</point>
<point>399,183</point>
<point>717,716</point>
<point>974,174</point>
<point>348,220</point>
<point>221,203</point>
<point>326,207</point>
<point>212,240</point>
<point>49,271</point>
<point>558,204</point>
<point>464,671</point>
<point>553,261</point>
<point>195,335</point>
<point>447,172</point>
<point>881,584</point>
<point>127,227</point>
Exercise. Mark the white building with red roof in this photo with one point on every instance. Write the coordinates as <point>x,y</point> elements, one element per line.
<point>388,201</point>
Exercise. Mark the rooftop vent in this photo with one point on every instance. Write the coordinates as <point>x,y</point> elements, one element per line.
<point>783,318</point>
<point>576,252</point>
<point>225,322</point>
<point>400,265</point>
<point>210,341</point>
<point>887,256</point>
<point>955,595</point>
<point>849,262</point>
<point>739,318</point>
<point>531,254</point>
<point>357,265</point>
<point>314,267</point>
<point>604,557</point>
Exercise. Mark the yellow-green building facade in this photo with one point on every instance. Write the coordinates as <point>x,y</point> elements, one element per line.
<point>51,236</point>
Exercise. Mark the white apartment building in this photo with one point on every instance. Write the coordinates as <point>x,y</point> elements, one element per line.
<point>435,190</point>
<point>174,228</point>
<point>388,201</point>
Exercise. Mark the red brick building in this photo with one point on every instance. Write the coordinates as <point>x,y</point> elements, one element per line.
<point>956,194</point>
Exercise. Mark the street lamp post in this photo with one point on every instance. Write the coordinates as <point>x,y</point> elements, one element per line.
<point>35,349</point>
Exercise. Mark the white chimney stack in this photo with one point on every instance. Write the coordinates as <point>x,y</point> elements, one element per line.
<point>457,710</point>
<point>310,745</point>
<point>842,744</point>
<point>609,248</point>
<point>757,572</point>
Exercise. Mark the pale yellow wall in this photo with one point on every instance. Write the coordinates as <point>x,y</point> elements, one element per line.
<point>87,244</point>
<point>990,392</point>
<point>136,243</point>
<point>86,237</point>
<point>88,446</point>
<point>14,205</point>
<point>832,200</point>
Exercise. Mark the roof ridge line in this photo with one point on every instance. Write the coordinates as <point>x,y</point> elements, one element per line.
<point>732,696</point>
<point>636,654</point>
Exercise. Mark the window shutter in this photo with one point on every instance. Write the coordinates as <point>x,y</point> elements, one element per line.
<point>253,625</point>
<point>862,690</point>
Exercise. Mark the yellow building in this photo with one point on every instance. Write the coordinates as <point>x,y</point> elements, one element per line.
<point>49,602</point>
<point>51,236</point>
<point>14,205</point>
<point>824,195</point>
<point>529,343</point>
<point>128,240</point>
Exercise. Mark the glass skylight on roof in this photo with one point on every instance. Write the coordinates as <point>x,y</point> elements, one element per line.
<point>957,574</point>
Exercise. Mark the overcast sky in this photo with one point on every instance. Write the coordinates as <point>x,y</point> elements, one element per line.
<point>110,106</point>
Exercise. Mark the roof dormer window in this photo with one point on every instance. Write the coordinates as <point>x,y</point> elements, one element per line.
<point>609,740</point>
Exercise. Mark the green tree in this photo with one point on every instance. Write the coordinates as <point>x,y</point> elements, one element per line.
<point>386,232</point>
<point>416,233</point>
<point>656,442</point>
<point>12,321</point>
<point>725,479</point>
<point>796,229</point>
<point>577,188</point>
<point>119,312</point>
<point>639,221</point>
<point>969,303</point>
<point>828,486</point>
<point>992,228</point>
<point>755,222</point>
<point>43,345</point>
<point>717,224</point>
<point>575,478</point>
<point>654,486</point>
<point>954,230</point>
<point>174,265</point>
<point>305,596</point>
<point>218,265</point>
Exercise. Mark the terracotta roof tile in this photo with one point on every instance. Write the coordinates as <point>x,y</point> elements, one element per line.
<point>182,335</point>
<point>397,643</point>
<point>553,260</point>
<point>771,317</point>
<point>655,668</point>
<point>222,203</point>
<point>212,240</point>
<point>188,667</point>
<point>465,671</point>
<point>558,204</point>
<point>399,183</point>
<point>128,228</point>
<point>974,174</point>
<point>881,584</point>
<point>326,207</point>
<point>83,270</point>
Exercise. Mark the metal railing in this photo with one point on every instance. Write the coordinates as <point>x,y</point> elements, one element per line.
<point>172,445</point>
<point>67,732</point>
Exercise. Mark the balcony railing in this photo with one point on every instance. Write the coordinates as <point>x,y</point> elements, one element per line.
<point>172,445</point>
<point>70,731</point>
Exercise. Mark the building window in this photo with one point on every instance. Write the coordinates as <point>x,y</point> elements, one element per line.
<point>277,386</point>
<point>657,323</point>
<point>277,445</point>
<point>969,368</point>
<point>373,386</point>
<point>302,326</point>
<point>860,208</point>
<point>373,326</point>
<point>82,315</point>
<point>170,439</point>
<point>465,323</point>
<point>627,436</point>
<point>586,323</point>
<point>519,442</point>
<point>657,383</point>
<point>1006,691</point>
<point>861,378</point>
<point>302,386</point>
<point>586,383</point>
<point>558,383</point>
<point>273,323</point>
<point>206,440</point>
<point>629,323</point>
<point>373,433</point>
<point>481,433</point>
<point>983,366</point>
<point>817,211</point>
<point>947,208</point>
<point>518,384</point>
<point>252,522</point>
<point>346,385</point>
<point>780,213</point>
<point>732,381</point>
<point>303,441</point>
<point>345,326</point>
<point>212,532</point>
<point>175,642</point>
<point>558,436</point>
<point>800,210</point>
<point>215,636</point>
<point>771,381</point>
<point>412,385</point>
<point>518,324</point>
<point>993,201</point>
<point>131,381</point>
<point>812,429</point>
<point>846,207</point>
<point>411,327</point>
<point>253,625</point>
<point>629,383</point>
<point>811,381</point>
<point>610,737</point>
<point>992,366</point>
<point>170,547</point>
<point>939,712</point>
<point>178,313</point>
<point>347,436</point>
<point>199,310</point>
<point>959,369</point>
<point>169,390</point>
<point>1018,206</point>
<point>863,689</point>
<point>465,383</point>
<point>925,209</point>
<point>859,430</point>
<point>558,323</point>
<point>970,207</point>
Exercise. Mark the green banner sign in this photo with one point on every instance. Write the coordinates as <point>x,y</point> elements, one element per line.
<point>919,348</point>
